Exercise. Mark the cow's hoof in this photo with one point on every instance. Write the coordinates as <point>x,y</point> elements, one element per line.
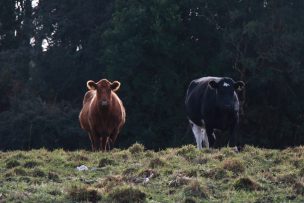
<point>235,149</point>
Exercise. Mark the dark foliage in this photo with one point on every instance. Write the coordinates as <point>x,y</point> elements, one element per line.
<point>154,48</point>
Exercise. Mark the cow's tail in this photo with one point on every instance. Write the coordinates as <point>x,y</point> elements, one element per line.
<point>189,128</point>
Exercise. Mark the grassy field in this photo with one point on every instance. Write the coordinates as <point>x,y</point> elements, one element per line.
<point>136,175</point>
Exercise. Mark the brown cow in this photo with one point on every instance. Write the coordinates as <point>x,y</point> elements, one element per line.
<point>102,114</point>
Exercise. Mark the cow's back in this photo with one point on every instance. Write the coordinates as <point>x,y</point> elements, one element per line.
<point>199,98</point>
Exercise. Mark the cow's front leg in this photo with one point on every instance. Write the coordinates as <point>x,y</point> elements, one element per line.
<point>94,141</point>
<point>113,137</point>
<point>234,138</point>
<point>103,140</point>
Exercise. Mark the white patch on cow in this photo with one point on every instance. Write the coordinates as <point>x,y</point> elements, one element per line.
<point>200,136</point>
<point>226,84</point>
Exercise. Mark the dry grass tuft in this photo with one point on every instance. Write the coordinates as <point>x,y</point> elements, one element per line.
<point>196,190</point>
<point>127,194</point>
<point>143,176</point>
<point>246,183</point>
<point>297,150</point>
<point>38,173</point>
<point>136,148</point>
<point>264,199</point>
<point>105,162</point>
<point>180,180</point>
<point>289,178</point>
<point>189,200</point>
<point>228,152</point>
<point>17,172</point>
<point>200,160</point>
<point>78,157</point>
<point>216,173</point>
<point>188,151</point>
<point>234,165</point>
<point>109,182</point>
<point>269,176</point>
<point>148,173</point>
<point>84,193</point>
<point>12,163</point>
<point>190,172</point>
<point>149,154</point>
<point>125,155</point>
<point>301,172</point>
<point>54,177</point>
<point>299,188</point>
<point>19,155</point>
<point>31,164</point>
<point>297,162</point>
<point>129,171</point>
<point>157,162</point>
<point>219,157</point>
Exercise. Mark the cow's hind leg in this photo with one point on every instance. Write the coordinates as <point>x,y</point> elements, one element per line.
<point>199,135</point>
<point>103,142</point>
<point>210,136</point>
<point>205,138</point>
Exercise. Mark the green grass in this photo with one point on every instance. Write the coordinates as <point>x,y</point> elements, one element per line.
<point>137,175</point>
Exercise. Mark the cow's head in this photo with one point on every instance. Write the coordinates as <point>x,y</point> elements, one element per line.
<point>225,92</point>
<point>104,90</point>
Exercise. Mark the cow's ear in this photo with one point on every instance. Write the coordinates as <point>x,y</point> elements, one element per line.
<point>91,85</point>
<point>239,85</point>
<point>115,86</point>
<point>213,84</point>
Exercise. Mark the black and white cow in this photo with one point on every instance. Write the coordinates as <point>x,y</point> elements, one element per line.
<point>212,103</point>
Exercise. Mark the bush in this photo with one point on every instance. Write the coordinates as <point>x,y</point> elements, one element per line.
<point>33,123</point>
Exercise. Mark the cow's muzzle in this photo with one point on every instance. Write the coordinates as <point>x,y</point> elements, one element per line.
<point>104,103</point>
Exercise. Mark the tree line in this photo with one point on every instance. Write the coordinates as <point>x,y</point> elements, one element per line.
<point>50,48</point>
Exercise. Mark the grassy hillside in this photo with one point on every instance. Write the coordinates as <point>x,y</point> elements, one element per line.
<point>137,175</point>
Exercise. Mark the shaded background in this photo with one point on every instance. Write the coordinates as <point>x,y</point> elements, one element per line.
<point>50,48</point>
